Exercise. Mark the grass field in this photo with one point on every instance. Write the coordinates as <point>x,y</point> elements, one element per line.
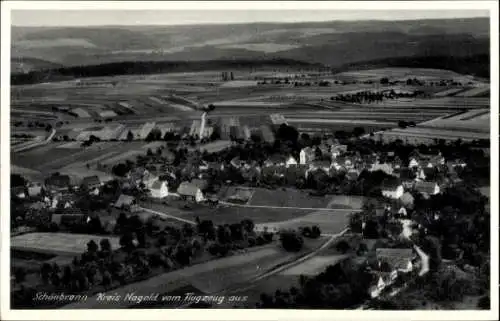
<point>330,222</point>
<point>287,198</point>
<point>57,243</point>
<point>315,265</point>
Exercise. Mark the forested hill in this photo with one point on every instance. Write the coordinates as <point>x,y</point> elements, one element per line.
<point>149,67</point>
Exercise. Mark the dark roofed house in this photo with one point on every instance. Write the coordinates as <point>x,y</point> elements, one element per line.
<point>188,190</point>
<point>67,219</point>
<point>398,259</point>
<point>427,188</point>
<point>406,176</point>
<point>58,182</point>
<point>91,182</point>
<point>125,201</point>
<point>294,173</point>
<point>392,188</point>
<point>200,183</point>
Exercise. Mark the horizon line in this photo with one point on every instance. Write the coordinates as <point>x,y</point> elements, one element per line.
<point>249,23</point>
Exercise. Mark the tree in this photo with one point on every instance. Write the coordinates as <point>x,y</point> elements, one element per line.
<point>105,246</point>
<point>120,169</point>
<point>358,131</point>
<point>371,230</point>
<point>130,136</point>
<point>342,247</point>
<point>291,241</point>
<point>384,81</point>
<point>248,225</point>
<point>432,247</point>
<point>45,272</point>
<point>92,247</point>
<point>20,274</point>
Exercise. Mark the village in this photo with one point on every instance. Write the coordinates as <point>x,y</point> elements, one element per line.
<point>178,206</point>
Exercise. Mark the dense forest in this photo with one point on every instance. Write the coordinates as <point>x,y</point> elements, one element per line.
<point>147,67</point>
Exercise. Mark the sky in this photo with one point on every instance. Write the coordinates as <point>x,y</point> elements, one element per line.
<point>186,17</point>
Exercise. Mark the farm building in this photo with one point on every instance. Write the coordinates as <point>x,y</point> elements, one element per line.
<point>188,190</point>
<point>58,243</point>
<point>125,201</point>
<point>58,182</point>
<point>427,188</point>
<point>79,112</point>
<point>159,189</point>
<point>392,189</point>
<point>91,182</point>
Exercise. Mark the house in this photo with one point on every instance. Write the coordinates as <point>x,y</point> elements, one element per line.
<point>456,163</point>
<point>125,201</point>
<point>427,188</point>
<point>385,167</point>
<point>236,162</point>
<point>37,206</point>
<point>406,176</point>
<point>187,190</point>
<point>399,260</point>
<point>376,286</point>
<point>320,165</point>
<point>159,189</point>
<point>276,160</point>
<point>68,219</point>
<point>402,212</point>
<point>392,189</point>
<point>34,189</point>
<point>427,173</point>
<point>200,183</point>
<point>294,174</point>
<point>241,195</point>
<point>18,191</point>
<point>337,150</point>
<point>58,182</point>
<point>290,161</point>
<point>352,174</point>
<point>91,182</point>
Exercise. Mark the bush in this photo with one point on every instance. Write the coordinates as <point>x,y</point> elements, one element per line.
<point>291,241</point>
<point>342,247</point>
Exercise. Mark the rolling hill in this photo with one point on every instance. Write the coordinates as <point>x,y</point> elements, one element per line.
<point>335,43</point>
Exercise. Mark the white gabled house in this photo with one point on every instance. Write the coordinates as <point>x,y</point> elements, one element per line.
<point>306,155</point>
<point>159,189</point>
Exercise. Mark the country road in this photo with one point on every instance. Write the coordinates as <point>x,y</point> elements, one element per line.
<point>35,143</point>
<point>291,207</point>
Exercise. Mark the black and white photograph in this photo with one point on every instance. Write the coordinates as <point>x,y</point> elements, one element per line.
<point>222,158</point>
